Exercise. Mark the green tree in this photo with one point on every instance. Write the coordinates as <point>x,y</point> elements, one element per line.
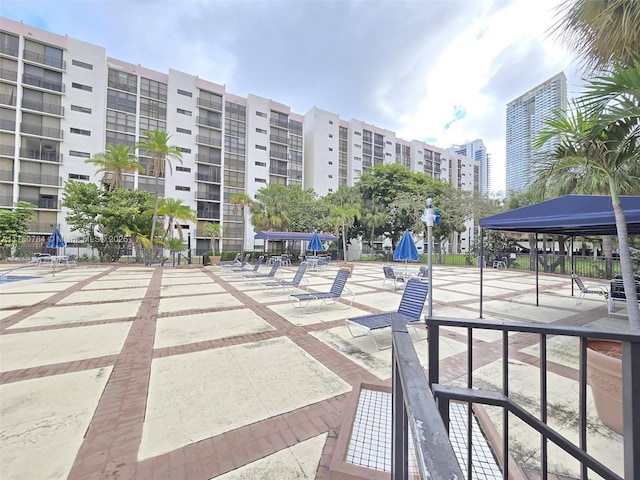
<point>214,231</point>
<point>595,138</point>
<point>344,209</point>
<point>14,225</point>
<point>270,211</point>
<point>374,215</point>
<point>156,145</point>
<point>174,210</point>
<point>242,202</point>
<point>117,161</point>
<point>602,33</point>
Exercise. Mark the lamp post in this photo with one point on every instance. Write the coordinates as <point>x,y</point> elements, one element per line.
<point>428,218</point>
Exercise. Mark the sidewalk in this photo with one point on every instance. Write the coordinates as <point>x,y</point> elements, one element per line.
<point>135,372</point>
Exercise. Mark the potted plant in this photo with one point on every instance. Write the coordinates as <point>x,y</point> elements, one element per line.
<point>604,367</point>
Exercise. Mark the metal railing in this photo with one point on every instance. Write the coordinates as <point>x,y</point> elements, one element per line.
<point>413,407</point>
<point>631,391</point>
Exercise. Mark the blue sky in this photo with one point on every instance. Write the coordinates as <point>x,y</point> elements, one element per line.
<point>440,71</point>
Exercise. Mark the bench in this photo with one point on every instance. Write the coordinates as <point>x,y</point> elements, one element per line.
<point>616,292</point>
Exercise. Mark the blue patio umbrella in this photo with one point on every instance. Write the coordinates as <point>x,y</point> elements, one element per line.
<point>406,249</point>
<point>55,240</point>
<point>315,244</point>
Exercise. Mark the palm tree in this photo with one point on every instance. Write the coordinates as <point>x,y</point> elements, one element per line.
<point>597,140</point>
<point>118,160</point>
<point>157,147</point>
<point>213,230</point>
<point>375,215</point>
<point>343,218</point>
<point>173,209</point>
<point>270,208</point>
<point>241,201</point>
<point>603,33</point>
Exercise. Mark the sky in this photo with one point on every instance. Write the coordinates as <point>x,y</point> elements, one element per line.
<point>441,71</point>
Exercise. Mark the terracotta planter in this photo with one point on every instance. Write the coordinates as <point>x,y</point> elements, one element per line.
<point>604,373</point>
<point>348,266</point>
<point>215,260</point>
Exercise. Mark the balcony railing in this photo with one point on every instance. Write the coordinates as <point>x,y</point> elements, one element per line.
<point>6,99</point>
<point>7,74</point>
<point>209,122</point>
<point>42,83</point>
<point>207,177</point>
<point>40,130</point>
<point>39,179</point>
<point>6,175</point>
<point>7,125</point>
<point>6,201</point>
<point>210,104</point>
<point>42,106</point>
<point>212,196</point>
<point>280,155</point>
<point>41,154</point>
<point>7,150</point>
<point>214,142</point>
<point>204,158</point>
<point>278,171</point>
<point>279,139</point>
<point>48,203</point>
<point>208,214</point>
<point>509,402</point>
<point>279,123</point>
<point>9,50</point>
<point>44,59</point>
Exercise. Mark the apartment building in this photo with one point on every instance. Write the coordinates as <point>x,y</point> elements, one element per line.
<point>63,100</point>
<point>525,117</point>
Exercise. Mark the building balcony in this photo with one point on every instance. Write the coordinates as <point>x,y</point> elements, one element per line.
<point>45,203</point>
<point>209,122</point>
<point>6,201</point>
<point>280,155</point>
<point>38,179</point>
<point>210,196</point>
<point>6,99</point>
<point>8,50</point>
<point>217,106</point>
<point>42,59</point>
<point>7,74</point>
<point>211,141</point>
<point>43,83</point>
<point>41,154</point>
<point>279,139</point>
<point>278,171</point>
<point>43,107</point>
<point>9,125</point>
<point>207,214</point>
<point>46,228</point>
<point>279,123</point>
<point>40,131</point>
<point>6,176</point>
<point>122,86</point>
<point>207,177</point>
<point>204,158</point>
<point>7,150</point>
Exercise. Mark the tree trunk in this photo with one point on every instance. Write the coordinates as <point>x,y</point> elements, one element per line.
<point>626,265</point>
<point>607,251</point>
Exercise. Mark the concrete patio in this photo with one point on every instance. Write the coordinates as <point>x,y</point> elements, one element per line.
<point>134,372</point>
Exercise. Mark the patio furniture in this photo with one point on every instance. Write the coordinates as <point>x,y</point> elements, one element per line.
<point>617,293</point>
<point>423,274</point>
<point>390,276</point>
<point>254,276</point>
<point>500,262</point>
<point>411,305</point>
<point>600,290</point>
<point>277,287</point>
<point>72,260</point>
<point>245,269</point>
<point>242,264</point>
<point>338,288</point>
<point>234,262</point>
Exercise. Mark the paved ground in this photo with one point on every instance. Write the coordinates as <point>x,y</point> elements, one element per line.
<point>127,372</point>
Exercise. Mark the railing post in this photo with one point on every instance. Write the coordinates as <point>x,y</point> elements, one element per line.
<point>631,412</point>
<point>400,442</point>
<point>433,347</point>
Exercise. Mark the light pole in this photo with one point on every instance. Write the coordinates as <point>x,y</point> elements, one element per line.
<point>428,218</point>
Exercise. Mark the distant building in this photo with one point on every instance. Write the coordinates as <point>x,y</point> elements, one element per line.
<point>525,118</point>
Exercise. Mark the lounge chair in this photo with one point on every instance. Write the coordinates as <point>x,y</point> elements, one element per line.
<point>390,276</point>
<point>242,264</point>
<point>277,287</point>
<point>600,290</point>
<point>423,274</point>
<point>245,269</point>
<point>233,263</point>
<point>411,305</point>
<point>617,293</point>
<point>254,276</point>
<point>303,300</point>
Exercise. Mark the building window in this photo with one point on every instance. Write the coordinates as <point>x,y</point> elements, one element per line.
<point>356,171</point>
<point>261,114</point>
<point>183,130</point>
<point>184,112</point>
<point>80,86</point>
<point>77,176</point>
<point>331,135</point>
<point>330,162</point>
<point>121,101</point>
<point>330,176</point>
<point>182,169</point>
<point>357,145</point>
<point>330,122</point>
<point>260,180</point>
<point>185,93</point>
<point>80,64</point>
<point>153,89</point>
<point>261,130</point>
<point>152,124</point>
<point>358,133</point>
<point>260,147</point>
<point>75,153</point>
<point>182,188</point>
<point>79,131</point>
<point>185,150</point>
<point>357,159</point>
<point>76,108</point>
<point>330,149</point>
<point>261,164</point>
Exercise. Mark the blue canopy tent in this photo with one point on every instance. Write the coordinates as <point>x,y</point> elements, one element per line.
<point>569,215</point>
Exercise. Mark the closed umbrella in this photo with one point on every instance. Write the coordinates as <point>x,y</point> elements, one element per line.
<point>55,240</point>
<point>406,250</point>
<point>315,244</point>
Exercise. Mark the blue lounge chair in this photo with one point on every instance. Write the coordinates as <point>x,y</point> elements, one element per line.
<point>232,263</point>
<point>411,305</point>
<point>245,269</point>
<point>254,276</point>
<point>390,276</point>
<point>303,300</point>
<point>277,287</point>
<point>242,264</point>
